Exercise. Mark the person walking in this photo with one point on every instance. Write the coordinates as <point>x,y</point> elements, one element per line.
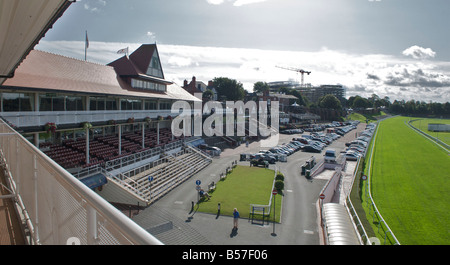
<point>235,218</point>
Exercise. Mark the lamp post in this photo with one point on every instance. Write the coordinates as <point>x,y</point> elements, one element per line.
<point>274,193</point>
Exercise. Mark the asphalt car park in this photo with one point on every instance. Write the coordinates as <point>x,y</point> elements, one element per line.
<point>298,225</point>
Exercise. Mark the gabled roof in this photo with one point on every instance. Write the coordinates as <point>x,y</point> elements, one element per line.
<point>142,57</point>
<point>138,62</point>
<point>45,71</point>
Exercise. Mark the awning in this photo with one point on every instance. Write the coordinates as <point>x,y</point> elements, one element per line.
<point>95,181</point>
<point>22,24</point>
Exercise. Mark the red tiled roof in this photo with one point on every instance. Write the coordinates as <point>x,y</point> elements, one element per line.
<point>47,71</point>
<point>142,56</point>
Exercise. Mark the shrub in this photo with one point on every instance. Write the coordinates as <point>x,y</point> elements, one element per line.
<point>279,186</point>
<point>279,176</point>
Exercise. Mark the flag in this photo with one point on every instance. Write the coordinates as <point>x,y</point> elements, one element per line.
<point>87,40</point>
<point>125,50</point>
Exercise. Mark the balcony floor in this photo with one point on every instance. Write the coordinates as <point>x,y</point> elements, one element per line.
<point>10,228</point>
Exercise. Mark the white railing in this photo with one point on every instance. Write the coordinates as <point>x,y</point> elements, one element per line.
<point>360,227</point>
<point>434,140</point>
<point>60,208</point>
<point>40,118</point>
<point>373,206</point>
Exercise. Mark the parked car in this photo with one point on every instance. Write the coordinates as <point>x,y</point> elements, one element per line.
<point>259,162</point>
<point>311,148</point>
<point>352,156</point>
<point>264,157</point>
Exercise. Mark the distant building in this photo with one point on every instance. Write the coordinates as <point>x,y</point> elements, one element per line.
<point>436,127</point>
<point>312,93</point>
<point>199,87</point>
<point>284,101</point>
<point>275,86</point>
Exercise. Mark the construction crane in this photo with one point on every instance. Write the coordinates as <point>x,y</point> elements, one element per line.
<point>301,71</point>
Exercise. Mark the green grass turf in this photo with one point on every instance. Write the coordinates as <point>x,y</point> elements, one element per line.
<point>364,117</point>
<point>242,187</point>
<point>410,185</point>
<point>422,124</point>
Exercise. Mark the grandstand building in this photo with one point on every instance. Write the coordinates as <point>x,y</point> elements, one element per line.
<point>90,117</point>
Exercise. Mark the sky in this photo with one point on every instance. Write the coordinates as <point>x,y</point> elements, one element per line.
<point>394,48</point>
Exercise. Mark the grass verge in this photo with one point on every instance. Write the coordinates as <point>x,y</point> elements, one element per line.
<point>242,187</point>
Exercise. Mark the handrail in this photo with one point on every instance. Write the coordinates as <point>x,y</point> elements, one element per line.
<point>46,187</point>
<point>352,208</point>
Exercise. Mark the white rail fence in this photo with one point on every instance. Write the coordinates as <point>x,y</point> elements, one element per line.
<point>373,210</point>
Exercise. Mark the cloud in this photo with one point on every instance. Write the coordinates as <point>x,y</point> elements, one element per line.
<point>215,2</point>
<point>236,2</point>
<point>96,6</point>
<point>247,2</point>
<point>361,74</point>
<point>418,52</point>
<point>414,76</point>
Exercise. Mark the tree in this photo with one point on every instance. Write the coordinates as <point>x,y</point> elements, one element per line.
<point>330,102</point>
<point>360,102</point>
<point>229,89</point>
<point>208,94</point>
<point>260,87</point>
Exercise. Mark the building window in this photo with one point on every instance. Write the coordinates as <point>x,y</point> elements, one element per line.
<point>74,103</point>
<point>154,68</point>
<point>131,104</point>
<point>51,102</point>
<point>147,85</point>
<point>150,105</point>
<point>102,103</point>
<point>111,104</point>
<point>165,105</point>
<point>17,102</point>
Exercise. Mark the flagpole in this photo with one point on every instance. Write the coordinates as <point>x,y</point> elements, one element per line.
<point>85,47</point>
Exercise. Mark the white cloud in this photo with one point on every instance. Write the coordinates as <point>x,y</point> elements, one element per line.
<point>395,77</point>
<point>215,2</point>
<point>179,61</point>
<point>236,2</point>
<point>247,2</point>
<point>418,52</point>
<point>95,7</point>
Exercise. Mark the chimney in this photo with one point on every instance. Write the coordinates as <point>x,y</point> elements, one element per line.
<point>185,83</point>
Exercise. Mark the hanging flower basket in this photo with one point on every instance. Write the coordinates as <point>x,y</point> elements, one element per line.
<point>169,118</point>
<point>160,118</point>
<point>87,125</point>
<point>112,122</point>
<point>130,120</point>
<point>147,120</point>
<point>50,127</point>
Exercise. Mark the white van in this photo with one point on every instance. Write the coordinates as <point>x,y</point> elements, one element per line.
<point>330,156</point>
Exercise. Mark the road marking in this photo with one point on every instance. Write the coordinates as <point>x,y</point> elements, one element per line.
<point>178,202</point>
<point>288,190</point>
<point>309,232</point>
